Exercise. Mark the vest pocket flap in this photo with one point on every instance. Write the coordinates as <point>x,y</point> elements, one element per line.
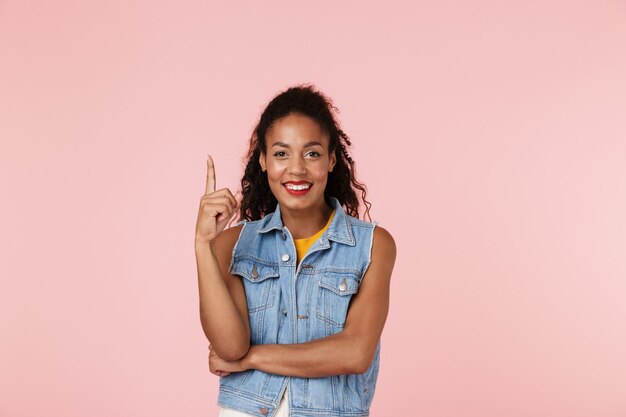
<point>341,283</point>
<point>254,271</point>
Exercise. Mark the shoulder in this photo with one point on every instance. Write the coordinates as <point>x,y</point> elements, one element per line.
<point>232,233</point>
<point>354,221</point>
<point>381,234</point>
<point>226,240</point>
<point>382,240</point>
<point>383,246</point>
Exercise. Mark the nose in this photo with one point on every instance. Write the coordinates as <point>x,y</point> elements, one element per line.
<point>296,166</point>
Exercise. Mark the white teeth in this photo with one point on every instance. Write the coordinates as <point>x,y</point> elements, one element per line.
<point>298,187</point>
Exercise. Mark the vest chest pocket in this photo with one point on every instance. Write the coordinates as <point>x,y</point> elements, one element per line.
<point>335,291</point>
<point>260,282</point>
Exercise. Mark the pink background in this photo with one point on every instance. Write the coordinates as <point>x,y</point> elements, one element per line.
<point>491,135</point>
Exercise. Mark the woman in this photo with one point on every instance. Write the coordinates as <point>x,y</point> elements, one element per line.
<point>293,299</point>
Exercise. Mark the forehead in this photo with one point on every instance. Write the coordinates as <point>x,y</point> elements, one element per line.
<point>295,128</point>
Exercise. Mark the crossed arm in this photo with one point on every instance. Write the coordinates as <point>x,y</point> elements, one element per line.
<point>350,351</point>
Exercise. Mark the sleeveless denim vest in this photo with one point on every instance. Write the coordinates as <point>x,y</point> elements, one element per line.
<point>289,304</point>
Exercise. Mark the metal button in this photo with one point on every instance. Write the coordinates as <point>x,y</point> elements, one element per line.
<point>285,257</point>
<point>254,273</point>
<point>283,235</point>
<point>263,410</point>
<point>343,286</point>
<point>285,311</point>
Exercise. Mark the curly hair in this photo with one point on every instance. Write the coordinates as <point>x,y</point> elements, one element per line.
<point>258,199</point>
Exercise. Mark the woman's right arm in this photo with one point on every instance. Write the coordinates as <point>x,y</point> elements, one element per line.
<point>223,307</point>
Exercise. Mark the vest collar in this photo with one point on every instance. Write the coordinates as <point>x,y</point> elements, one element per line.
<point>338,230</point>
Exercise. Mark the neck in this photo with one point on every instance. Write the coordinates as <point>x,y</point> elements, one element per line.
<point>305,223</point>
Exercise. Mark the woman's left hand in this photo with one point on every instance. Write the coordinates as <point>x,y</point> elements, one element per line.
<point>221,367</point>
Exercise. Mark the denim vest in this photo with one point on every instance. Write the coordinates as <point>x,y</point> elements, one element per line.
<point>289,304</point>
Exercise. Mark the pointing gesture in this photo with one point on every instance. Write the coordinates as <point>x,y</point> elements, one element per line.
<point>210,175</point>
<point>217,208</point>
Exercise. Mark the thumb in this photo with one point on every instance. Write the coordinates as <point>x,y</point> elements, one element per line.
<point>239,198</point>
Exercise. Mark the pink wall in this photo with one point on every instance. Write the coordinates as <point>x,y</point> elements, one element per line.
<point>491,135</point>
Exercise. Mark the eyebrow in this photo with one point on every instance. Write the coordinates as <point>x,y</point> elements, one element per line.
<point>306,145</point>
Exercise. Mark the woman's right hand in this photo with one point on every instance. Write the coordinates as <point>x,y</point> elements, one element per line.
<point>217,208</point>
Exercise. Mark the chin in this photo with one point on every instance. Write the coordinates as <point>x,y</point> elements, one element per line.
<point>294,202</point>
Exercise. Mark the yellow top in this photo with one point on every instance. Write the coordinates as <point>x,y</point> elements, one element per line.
<point>303,245</point>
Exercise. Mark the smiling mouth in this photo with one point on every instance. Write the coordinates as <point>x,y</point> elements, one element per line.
<point>297,187</point>
<point>297,190</point>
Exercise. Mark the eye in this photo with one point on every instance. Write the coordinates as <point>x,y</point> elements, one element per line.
<point>279,153</point>
<point>314,153</point>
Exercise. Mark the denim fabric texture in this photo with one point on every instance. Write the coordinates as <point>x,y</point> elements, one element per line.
<point>295,304</point>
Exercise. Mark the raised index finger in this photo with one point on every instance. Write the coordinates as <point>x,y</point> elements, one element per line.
<point>210,175</point>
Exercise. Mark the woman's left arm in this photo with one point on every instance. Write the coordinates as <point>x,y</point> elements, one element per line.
<point>350,351</point>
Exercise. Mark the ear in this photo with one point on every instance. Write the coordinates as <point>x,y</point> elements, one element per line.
<point>333,161</point>
<point>262,161</point>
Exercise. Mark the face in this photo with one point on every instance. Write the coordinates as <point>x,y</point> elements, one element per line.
<point>297,161</point>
